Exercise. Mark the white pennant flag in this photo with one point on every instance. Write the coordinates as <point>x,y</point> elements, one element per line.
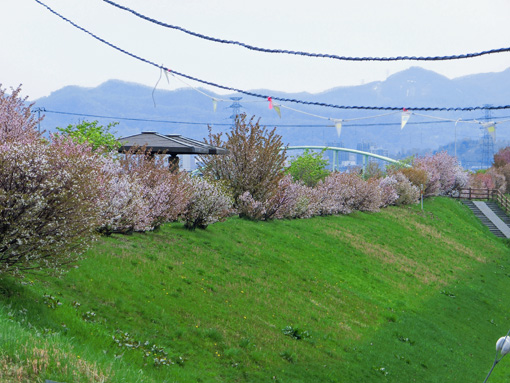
<point>166,75</point>
<point>214,104</point>
<point>338,126</point>
<point>405,117</point>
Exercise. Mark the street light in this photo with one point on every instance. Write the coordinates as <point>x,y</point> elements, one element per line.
<point>502,348</point>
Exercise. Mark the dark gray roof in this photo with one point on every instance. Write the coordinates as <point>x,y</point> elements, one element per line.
<point>168,144</point>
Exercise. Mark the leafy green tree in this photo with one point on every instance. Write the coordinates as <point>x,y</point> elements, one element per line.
<point>310,167</point>
<point>403,163</point>
<point>95,135</point>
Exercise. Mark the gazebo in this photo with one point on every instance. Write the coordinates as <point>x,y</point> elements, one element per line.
<point>171,144</point>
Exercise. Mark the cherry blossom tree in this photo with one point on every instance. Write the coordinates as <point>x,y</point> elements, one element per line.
<point>17,123</point>
<point>502,157</point>
<point>389,193</point>
<point>209,203</point>
<point>444,173</point>
<point>164,193</point>
<point>254,163</point>
<point>49,206</point>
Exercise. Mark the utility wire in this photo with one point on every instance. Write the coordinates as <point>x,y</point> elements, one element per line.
<point>300,53</point>
<point>133,119</point>
<point>257,95</point>
<point>168,121</point>
<point>230,124</point>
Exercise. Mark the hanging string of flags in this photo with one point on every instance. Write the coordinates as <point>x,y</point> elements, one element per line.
<point>406,114</point>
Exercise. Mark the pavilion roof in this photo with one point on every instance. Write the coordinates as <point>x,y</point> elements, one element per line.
<point>169,144</point>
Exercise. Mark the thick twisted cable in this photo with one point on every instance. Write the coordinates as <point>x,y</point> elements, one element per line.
<point>308,54</point>
<point>257,95</point>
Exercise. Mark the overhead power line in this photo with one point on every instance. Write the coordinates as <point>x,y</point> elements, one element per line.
<point>119,118</point>
<point>308,54</point>
<point>269,98</point>
<point>131,118</point>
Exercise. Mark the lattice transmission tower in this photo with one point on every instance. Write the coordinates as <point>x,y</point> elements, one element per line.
<point>236,109</point>
<point>487,141</point>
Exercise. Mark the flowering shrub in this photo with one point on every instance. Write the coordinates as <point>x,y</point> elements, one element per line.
<point>336,194</point>
<point>17,123</point>
<point>418,176</point>
<point>505,171</point>
<point>502,157</point>
<point>164,194</point>
<point>281,202</point>
<point>408,194</point>
<point>481,180</point>
<point>491,179</point>
<point>444,173</point>
<point>368,195</point>
<point>208,204</point>
<point>291,200</point>
<point>49,206</point>
<point>254,162</point>
<point>389,193</point>
<point>123,209</point>
<point>461,179</point>
<point>273,207</point>
<point>249,208</point>
<point>301,203</point>
<point>498,179</point>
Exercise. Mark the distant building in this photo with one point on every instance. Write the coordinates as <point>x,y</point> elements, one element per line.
<point>371,148</point>
<point>363,146</point>
<point>344,160</point>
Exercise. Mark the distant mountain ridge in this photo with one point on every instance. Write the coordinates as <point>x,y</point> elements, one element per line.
<point>414,87</point>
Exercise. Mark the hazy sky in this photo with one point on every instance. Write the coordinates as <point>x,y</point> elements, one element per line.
<point>44,53</point>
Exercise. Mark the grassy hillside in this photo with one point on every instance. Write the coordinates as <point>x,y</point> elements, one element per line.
<point>396,296</point>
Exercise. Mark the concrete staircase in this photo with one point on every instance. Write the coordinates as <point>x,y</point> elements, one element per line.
<point>495,225</point>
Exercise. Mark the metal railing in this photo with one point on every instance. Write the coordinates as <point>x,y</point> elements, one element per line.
<point>489,194</point>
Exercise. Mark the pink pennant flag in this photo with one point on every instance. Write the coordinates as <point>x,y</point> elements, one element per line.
<point>270,99</point>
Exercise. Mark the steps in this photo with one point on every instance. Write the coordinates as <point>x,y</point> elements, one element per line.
<point>493,226</point>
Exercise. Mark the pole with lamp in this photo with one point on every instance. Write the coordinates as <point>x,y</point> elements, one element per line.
<point>502,348</point>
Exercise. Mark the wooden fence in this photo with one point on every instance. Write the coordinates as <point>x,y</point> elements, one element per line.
<point>489,194</point>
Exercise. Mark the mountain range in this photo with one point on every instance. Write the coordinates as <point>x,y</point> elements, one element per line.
<point>189,112</point>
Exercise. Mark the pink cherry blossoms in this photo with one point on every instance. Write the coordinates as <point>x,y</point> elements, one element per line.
<point>56,195</point>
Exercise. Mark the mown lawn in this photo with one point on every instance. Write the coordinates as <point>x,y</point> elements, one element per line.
<point>401,295</point>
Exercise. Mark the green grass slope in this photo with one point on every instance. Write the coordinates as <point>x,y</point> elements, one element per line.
<point>396,296</point>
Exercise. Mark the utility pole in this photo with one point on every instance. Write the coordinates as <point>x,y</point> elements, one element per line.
<point>236,107</point>
<point>39,110</point>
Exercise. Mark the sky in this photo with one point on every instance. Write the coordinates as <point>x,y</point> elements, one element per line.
<point>44,53</point>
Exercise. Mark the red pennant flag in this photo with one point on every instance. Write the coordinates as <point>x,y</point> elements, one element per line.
<point>270,102</point>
